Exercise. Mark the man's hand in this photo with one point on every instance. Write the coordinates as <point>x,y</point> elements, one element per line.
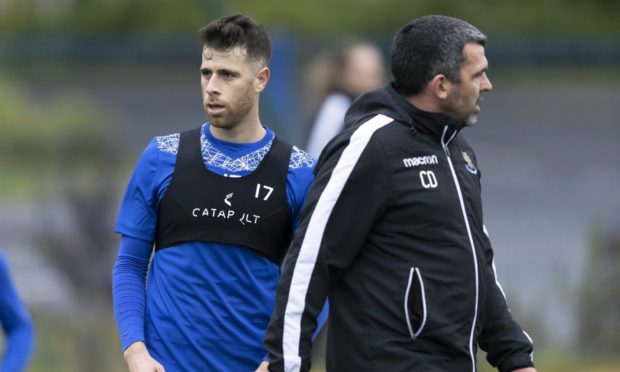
<point>139,360</point>
<point>528,369</point>
<point>263,367</point>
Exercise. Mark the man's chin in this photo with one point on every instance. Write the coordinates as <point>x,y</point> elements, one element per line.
<point>217,122</point>
<point>470,121</point>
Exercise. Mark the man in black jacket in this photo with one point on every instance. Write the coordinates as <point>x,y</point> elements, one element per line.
<point>392,230</point>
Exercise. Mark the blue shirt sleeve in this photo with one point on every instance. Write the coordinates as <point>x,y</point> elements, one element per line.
<point>16,324</point>
<point>129,288</point>
<point>138,213</point>
<point>298,182</point>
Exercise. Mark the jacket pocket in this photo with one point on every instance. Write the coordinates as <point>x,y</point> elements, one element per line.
<point>415,303</point>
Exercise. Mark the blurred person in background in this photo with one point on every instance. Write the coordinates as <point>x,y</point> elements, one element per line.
<point>356,69</point>
<point>392,230</point>
<point>16,323</point>
<point>218,204</point>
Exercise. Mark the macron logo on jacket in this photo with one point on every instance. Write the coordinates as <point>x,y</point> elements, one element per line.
<point>420,160</point>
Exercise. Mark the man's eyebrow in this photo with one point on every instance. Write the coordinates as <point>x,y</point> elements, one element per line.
<point>482,70</point>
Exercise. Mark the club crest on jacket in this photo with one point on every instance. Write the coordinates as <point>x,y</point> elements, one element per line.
<point>469,164</point>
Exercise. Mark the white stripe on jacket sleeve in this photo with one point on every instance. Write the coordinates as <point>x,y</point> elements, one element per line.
<point>306,260</point>
<point>486,232</point>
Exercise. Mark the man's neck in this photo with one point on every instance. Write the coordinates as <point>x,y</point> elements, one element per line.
<point>247,132</point>
<point>423,103</point>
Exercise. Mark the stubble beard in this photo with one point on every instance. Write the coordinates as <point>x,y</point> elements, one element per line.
<point>233,115</point>
<point>463,119</point>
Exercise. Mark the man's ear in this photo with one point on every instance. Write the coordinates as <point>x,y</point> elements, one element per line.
<point>262,77</point>
<point>440,86</point>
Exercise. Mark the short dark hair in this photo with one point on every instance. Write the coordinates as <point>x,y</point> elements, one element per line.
<point>428,46</point>
<point>238,30</point>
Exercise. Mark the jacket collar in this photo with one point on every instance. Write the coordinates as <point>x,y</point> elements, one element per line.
<point>430,123</point>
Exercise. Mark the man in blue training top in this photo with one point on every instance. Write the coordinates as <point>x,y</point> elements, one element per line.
<point>16,324</point>
<point>218,204</point>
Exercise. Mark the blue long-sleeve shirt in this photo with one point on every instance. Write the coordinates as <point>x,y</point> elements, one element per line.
<point>16,324</point>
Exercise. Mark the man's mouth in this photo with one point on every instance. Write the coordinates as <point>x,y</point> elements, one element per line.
<point>215,108</point>
<point>478,105</point>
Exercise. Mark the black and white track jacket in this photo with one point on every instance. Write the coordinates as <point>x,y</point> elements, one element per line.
<point>392,231</point>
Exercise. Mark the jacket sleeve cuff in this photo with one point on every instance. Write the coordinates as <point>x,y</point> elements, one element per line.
<point>511,364</point>
<point>276,364</point>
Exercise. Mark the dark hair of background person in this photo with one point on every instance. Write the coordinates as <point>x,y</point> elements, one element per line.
<point>429,46</point>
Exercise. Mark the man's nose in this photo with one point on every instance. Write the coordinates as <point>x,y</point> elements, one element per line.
<point>486,84</point>
<point>212,86</point>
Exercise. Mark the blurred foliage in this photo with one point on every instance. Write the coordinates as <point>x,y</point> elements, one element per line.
<point>111,16</point>
<point>532,18</point>
<point>41,140</point>
<point>526,18</point>
<point>77,343</point>
<point>599,303</point>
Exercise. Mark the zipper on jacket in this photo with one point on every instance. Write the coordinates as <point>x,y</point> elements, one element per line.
<point>413,271</point>
<point>444,144</point>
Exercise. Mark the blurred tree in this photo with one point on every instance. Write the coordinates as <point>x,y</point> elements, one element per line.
<point>557,18</point>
